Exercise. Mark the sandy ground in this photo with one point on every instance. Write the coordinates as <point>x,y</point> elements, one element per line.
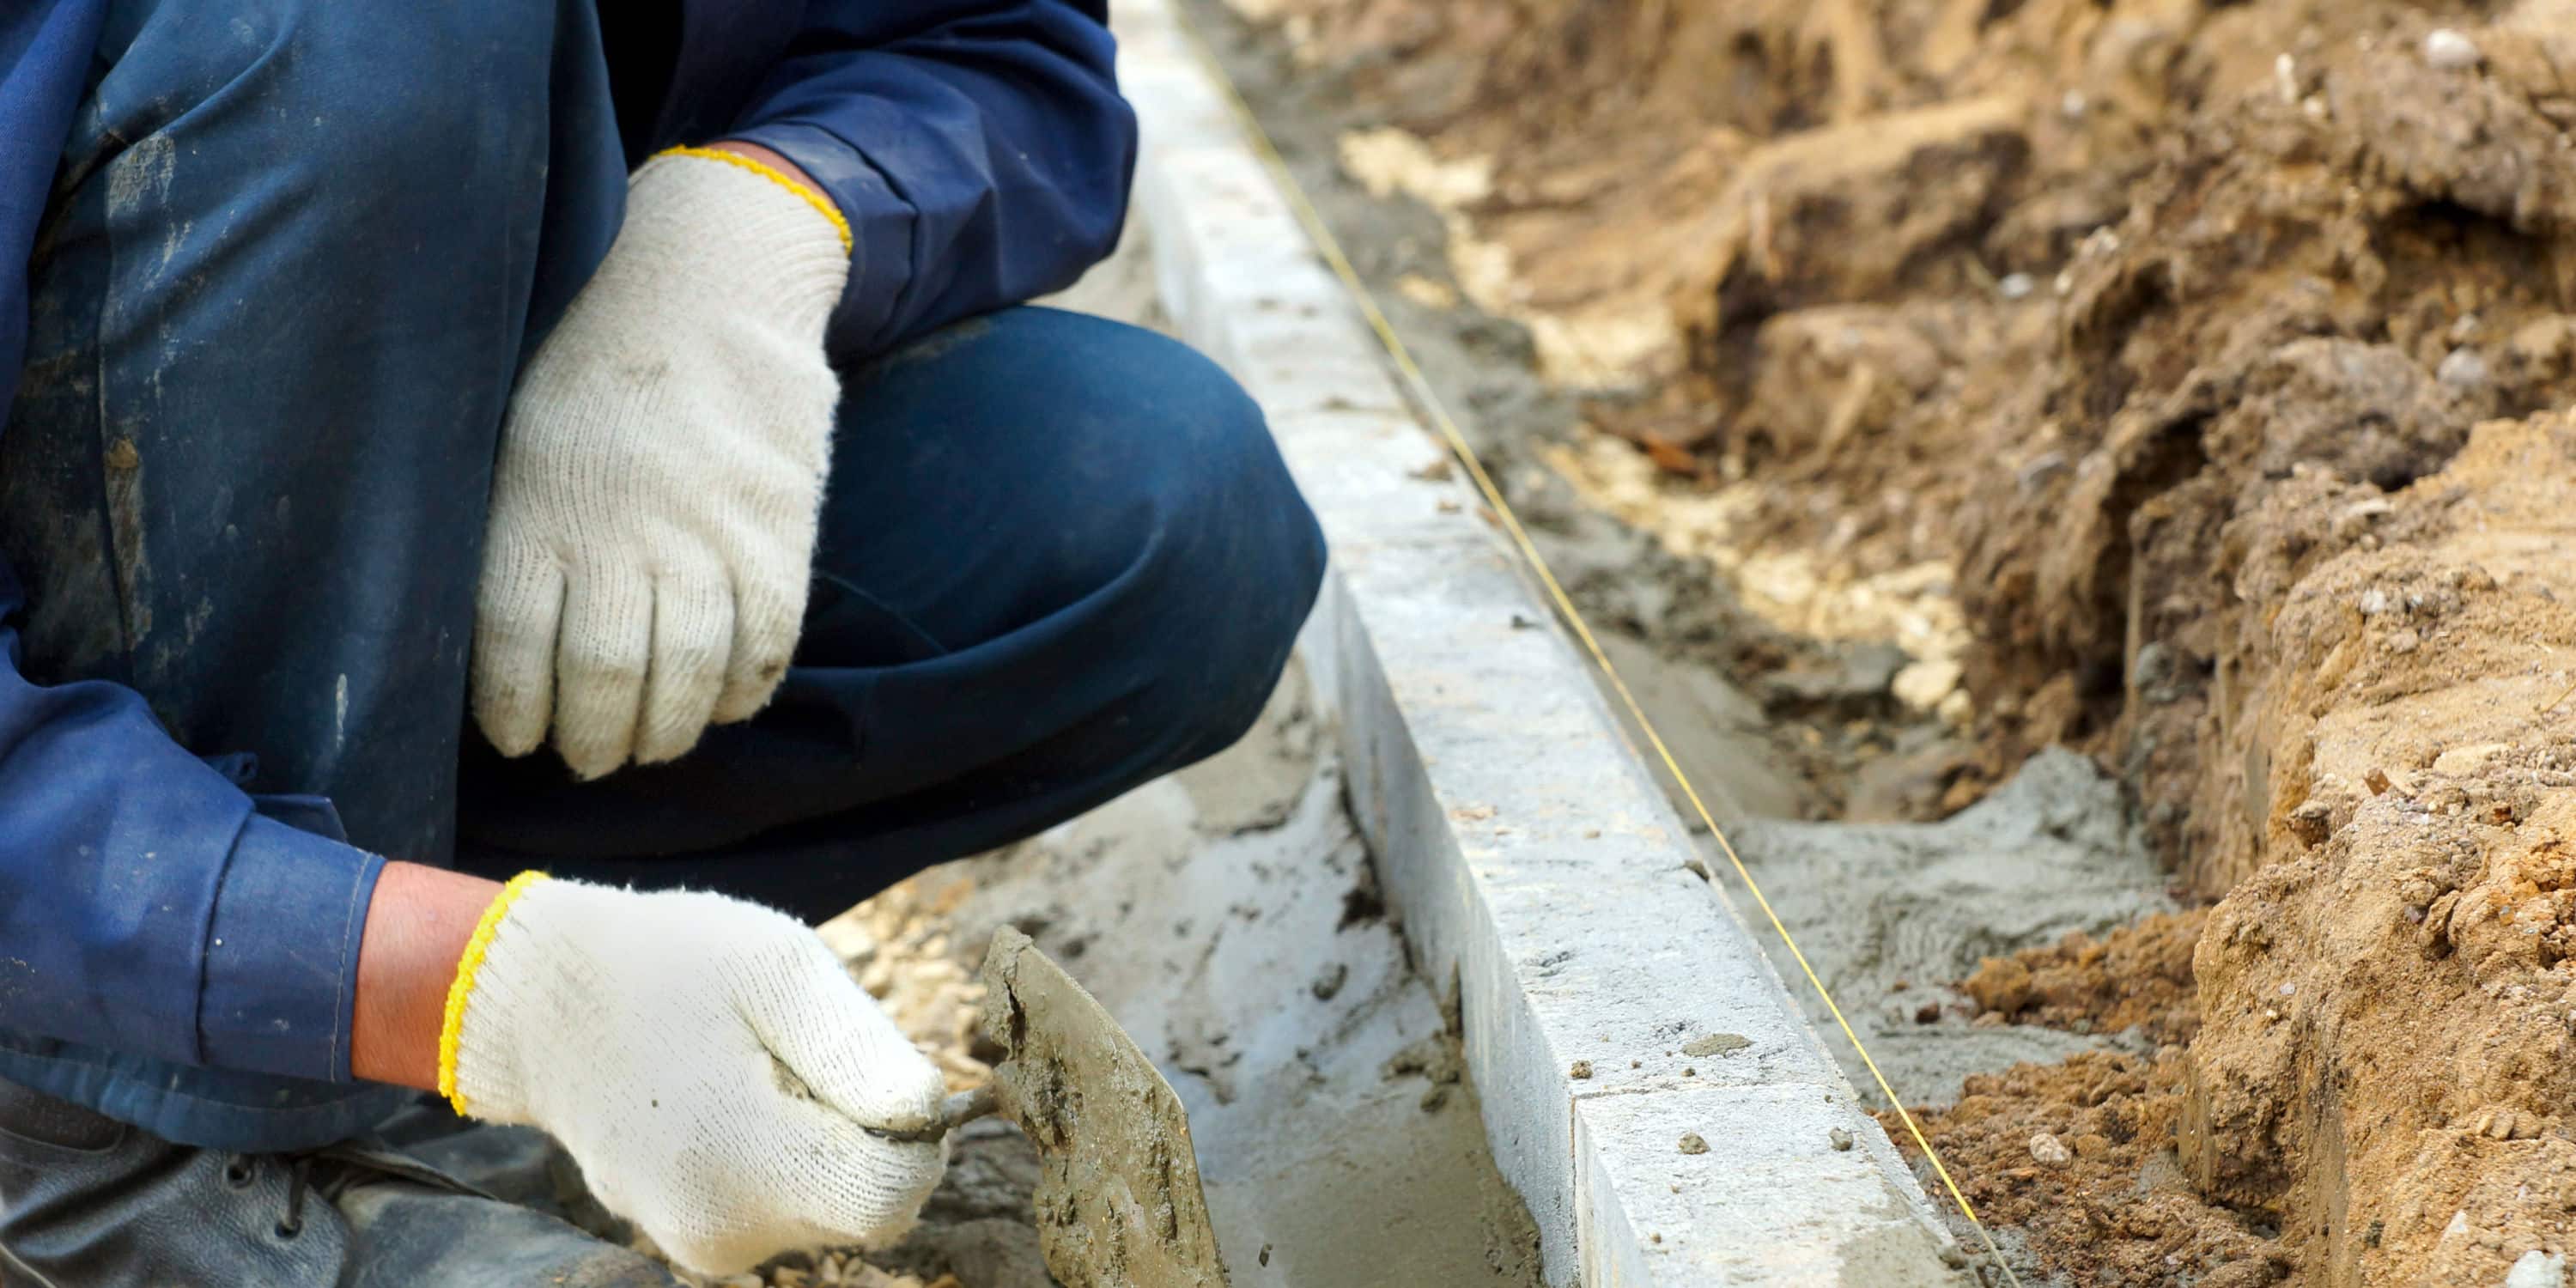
<point>2167,380</point>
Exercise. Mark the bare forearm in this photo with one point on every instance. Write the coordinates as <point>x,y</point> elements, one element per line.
<point>417,926</point>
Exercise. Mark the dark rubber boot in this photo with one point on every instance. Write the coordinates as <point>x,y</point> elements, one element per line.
<point>89,1202</point>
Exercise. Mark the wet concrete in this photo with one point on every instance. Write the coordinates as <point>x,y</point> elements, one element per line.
<point>1243,946</point>
<point>1892,915</point>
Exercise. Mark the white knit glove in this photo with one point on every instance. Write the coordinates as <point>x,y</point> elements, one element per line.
<point>654,504</point>
<point>708,1062</point>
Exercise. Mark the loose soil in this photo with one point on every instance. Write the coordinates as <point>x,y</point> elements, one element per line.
<point>1918,384</point>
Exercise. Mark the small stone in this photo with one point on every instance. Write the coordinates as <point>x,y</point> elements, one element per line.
<point>1989,1020</point>
<point>1582,1071</point>
<point>1922,685</point>
<point>2537,1269</point>
<point>2050,1151</point>
<point>848,938</point>
<point>1842,1140</point>
<point>2449,50</point>
<point>2461,762</point>
<point>1330,982</point>
<point>2463,369</point>
<point>2154,665</point>
<point>1265,1254</point>
<point>2016,286</point>
<point>2352,520</point>
<point>1928,1013</point>
<point>1693,1144</point>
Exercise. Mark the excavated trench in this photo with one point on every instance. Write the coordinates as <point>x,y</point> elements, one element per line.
<point>2077,481</point>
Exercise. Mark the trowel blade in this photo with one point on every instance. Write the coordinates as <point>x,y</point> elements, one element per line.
<point>1118,1199</point>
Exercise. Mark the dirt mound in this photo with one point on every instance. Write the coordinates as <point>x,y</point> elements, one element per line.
<point>2137,976</point>
<point>2206,351</point>
<point>2387,1048</point>
<point>2078,1158</point>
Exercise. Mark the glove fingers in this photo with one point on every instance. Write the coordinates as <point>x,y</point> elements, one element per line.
<point>854,1187</point>
<point>518,606</point>
<point>599,670</point>
<point>692,637</point>
<point>847,1050</point>
<point>764,640</point>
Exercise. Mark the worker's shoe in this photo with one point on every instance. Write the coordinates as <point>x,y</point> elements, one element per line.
<point>89,1202</point>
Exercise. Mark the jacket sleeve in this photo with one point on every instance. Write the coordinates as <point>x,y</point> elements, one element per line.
<point>146,904</point>
<point>979,149</point>
<point>147,907</point>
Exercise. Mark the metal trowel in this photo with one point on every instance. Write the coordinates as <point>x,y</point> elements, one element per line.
<point>1118,1198</point>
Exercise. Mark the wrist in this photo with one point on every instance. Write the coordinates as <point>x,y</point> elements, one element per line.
<point>418,924</point>
<point>772,165</point>
<point>776,160</point>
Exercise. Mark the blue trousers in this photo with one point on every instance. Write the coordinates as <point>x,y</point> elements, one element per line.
<point>1059,556</point>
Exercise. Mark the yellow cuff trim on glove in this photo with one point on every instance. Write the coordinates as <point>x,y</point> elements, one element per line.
<point>452,1027</point>
<point>776,176</point>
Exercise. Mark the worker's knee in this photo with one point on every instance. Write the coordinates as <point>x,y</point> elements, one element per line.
<point>1230,554</point>
<point>1114,492</point>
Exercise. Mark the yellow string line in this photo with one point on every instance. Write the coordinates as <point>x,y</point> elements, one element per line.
<point>1431,403</point>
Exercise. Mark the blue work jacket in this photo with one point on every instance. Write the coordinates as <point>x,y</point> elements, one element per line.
<point>981,154</point>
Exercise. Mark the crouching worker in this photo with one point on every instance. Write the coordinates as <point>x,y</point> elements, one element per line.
<point>447,441</point>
